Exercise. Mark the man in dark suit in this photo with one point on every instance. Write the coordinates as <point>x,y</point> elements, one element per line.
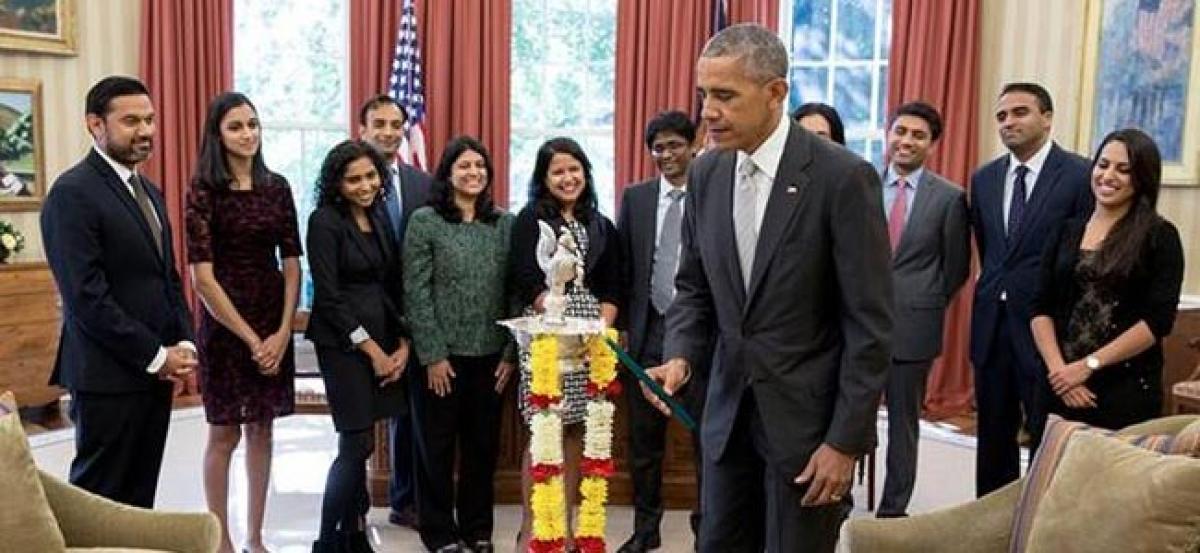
<point>1016,200</point>
<point>649,224</point>
<point>785,261</point>
<point>381,124</point>
<point>126,334</point>
<point>931,255</point>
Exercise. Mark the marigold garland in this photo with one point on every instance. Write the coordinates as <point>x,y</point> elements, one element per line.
<point>545,392</point>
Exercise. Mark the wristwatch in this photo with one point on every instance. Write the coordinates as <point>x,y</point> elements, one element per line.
<point>1092,362</point>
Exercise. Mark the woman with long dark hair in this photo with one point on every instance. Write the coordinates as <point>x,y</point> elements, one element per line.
<point>1109,291</point>
<point>822,120</point>
<point>563,194</point>
<point>240,217</point>
<point>455,289</point>
<point>356,325</point>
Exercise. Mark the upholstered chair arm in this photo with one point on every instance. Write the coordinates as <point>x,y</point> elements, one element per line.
<point>88,520</point>
<point>981,526</point>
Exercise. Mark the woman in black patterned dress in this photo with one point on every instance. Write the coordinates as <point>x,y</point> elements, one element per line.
<point>241,223</point>
<point>563,194</point>
<point>1109,291</point>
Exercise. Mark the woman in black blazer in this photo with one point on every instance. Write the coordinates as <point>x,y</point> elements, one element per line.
<point>356,325</point>
<point>1108,292</point>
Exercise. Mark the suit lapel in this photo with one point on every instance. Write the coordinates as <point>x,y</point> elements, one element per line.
<point>1043,187</point>
<point>918,216</point>
<point>125,198</point>
<point>791,183</point>
<point>721,183</point>
<point>646,215</point>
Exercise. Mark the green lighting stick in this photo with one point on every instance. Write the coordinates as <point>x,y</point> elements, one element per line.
<point>658,390</point>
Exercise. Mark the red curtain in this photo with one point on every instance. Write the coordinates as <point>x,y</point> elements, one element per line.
<point>935,58</point>
<point>186,59</point>
<point>373,27</point>
<point>466,50</point>
<point>657,46</point>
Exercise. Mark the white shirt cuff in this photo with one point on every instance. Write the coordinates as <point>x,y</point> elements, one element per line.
<point>187,344</point>
<point>159,360</point>
<point>359,336</point>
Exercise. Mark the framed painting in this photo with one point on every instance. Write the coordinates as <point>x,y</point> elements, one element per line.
<point>22,150</point>
<point>1142,69</point>
<point>38,26</point>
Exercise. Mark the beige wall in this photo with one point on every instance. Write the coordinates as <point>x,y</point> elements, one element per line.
<point>1043,41</point>
<point>107,44</point>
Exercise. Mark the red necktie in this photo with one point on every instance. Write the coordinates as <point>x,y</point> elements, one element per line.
<point>897,214</point>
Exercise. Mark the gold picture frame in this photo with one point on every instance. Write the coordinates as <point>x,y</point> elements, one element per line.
<point>1138,72</point>
<point>46,26</point>
<point>22,145</point>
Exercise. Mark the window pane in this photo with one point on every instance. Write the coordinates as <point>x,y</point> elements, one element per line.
<point>810,34</point>
<point>881,113</point>
<point>885,40</point>
<point>563,82</point>
<point>808,85</point>
<point>875,155</point>
<point>523,148</point>
<point>852,97</point>
<point>856,29</point>
<point>599,149</point>
<point>858,146</point>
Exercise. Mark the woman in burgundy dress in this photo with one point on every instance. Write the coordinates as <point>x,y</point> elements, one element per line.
<point>244,249</point>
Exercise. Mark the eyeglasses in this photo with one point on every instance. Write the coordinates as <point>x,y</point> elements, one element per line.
<point>661,149</point>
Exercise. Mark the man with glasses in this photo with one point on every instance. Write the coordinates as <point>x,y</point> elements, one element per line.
<point>649,226</point>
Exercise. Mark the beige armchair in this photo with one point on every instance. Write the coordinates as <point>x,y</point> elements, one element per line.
<point>980,526</point>
<point>92,523</point>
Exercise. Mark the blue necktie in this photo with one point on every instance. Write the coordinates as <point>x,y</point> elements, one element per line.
<point>393,206</point>
<point>1016,205</point>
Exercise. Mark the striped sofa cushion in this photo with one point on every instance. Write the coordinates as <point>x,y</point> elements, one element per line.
<point>1054,443</point>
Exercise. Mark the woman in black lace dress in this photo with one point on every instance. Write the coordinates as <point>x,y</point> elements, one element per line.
<point>1108,292</point>
<point>562,194</point>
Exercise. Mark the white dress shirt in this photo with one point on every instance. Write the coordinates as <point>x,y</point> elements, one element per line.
<point>766,157</point>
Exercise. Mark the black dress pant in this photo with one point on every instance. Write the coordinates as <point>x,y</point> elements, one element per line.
<point>467,420</point>
<point>751,506</point>
<point>1007,386</point>
<point>648,434</point>
<point>119,441</point>
<point>346,500</point>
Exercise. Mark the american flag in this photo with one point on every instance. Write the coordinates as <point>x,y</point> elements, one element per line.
<point>408,88</point>
<point>720,16</point>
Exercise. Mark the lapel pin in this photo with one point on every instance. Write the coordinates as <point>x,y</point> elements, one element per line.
<point>791,189</point>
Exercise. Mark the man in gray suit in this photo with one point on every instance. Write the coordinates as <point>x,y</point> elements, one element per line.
<point>931,255</point>
<point>785,260</point>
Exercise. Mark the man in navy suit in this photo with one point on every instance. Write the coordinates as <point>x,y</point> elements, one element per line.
<point>126,333</point>
<point>1016,200</point>
<point>381,124</point>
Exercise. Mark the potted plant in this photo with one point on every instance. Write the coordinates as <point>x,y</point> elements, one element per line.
<point>11,240</point>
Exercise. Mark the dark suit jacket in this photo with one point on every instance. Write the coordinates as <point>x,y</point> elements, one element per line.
<point>122,297</point>
<point>812,335</point>
<point>602,266</point>
<point>929,266</point>
<point>637,226</point>
<point>1060,193</point>
<point>352,287</point>
<point>1150,293</point>
<point>415,186</point>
